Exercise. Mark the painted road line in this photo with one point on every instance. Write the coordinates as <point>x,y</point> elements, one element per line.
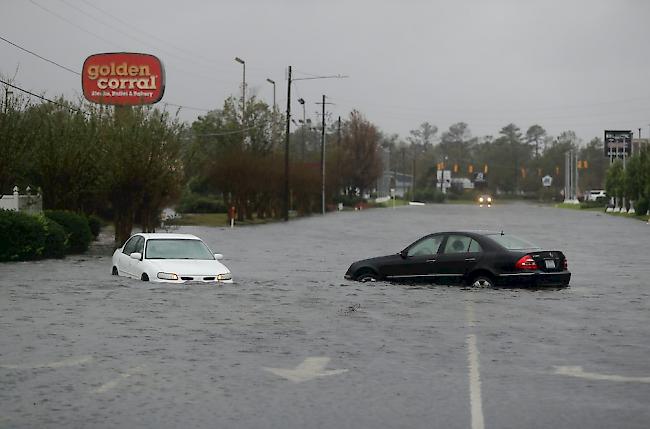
<point>310,368</point>
<point>475,399</point>
<point>113,383</point>
<point>80,360</point>
<point>576,371</point>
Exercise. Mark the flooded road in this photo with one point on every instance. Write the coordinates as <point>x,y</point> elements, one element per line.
<point>292,344</point>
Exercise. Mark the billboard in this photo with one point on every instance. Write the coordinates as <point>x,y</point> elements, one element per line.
<point>123,79</point>
<point>618,143</point>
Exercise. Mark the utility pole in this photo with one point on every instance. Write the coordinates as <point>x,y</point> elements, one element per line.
<point>8,93</point>
<point>338,154</point>
<point>286,151</point>
<point>322,158</point>
<point>322,161</point>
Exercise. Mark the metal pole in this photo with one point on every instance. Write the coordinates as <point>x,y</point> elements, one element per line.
<point>322,160</point>
<point>286,151</point>
<point>272,82</point>
<point>7,94</point>
<point>575,176</point>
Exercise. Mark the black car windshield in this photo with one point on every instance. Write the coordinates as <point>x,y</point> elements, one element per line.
<point>177,249</point>
<point>511,242</point>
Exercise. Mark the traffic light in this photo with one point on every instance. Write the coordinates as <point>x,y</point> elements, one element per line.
<point>523,173</point>
<point>485,169</point>
<point>455,168</point>
<point>470,169</point>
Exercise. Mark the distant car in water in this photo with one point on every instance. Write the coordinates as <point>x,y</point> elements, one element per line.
<point>485,200</point>
<point>479,259</point>
<point>169,258</point>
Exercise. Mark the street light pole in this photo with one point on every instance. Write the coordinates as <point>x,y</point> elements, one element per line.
<point>322,161</point>
<point>271,81</point>
<point>302,101</point>
<point>8,93</point>
<point>286,150</point>
<point>243,88</point>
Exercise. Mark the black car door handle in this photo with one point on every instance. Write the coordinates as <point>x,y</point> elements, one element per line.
<point>431,260</point>
<point>470,259</point>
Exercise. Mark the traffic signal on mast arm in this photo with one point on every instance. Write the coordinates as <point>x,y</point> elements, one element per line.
<point>523,173</point>
<point>582,164</point>
<point>485,169</point>
<point>455,168</point>
<point>470,169</point>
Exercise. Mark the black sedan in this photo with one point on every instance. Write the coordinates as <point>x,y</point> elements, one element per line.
<point>480,259</point>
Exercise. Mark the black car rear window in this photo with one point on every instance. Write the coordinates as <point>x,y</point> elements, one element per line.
<point>512,242</point>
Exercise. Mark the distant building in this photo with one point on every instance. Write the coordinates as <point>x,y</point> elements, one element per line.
<point>401,182</point>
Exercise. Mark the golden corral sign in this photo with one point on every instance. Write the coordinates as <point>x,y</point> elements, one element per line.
<point>123,79</point>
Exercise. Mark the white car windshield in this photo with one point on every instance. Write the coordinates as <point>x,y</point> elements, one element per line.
<point>177,249</point>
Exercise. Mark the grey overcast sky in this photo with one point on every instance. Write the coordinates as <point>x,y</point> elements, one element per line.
<point>564,64</point>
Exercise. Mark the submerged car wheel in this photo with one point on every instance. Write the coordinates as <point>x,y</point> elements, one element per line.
<point>145,277</point>
<point>115,272</point>
<point>367,276</point>
<point>482,281</point>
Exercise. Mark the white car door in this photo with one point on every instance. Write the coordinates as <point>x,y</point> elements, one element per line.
<point>124,259</point>
<point>135,265</point>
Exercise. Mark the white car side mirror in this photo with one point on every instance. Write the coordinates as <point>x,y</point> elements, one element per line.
<point>136,255</point>
<point>218,256</point>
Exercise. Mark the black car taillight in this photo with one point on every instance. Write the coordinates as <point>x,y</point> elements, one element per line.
<point>526,262</point>
<point>565,265</point>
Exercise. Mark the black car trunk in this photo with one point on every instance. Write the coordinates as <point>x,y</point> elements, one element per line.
<point>549,261</point>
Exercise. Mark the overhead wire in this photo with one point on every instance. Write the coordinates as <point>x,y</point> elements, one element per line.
<point>79,74</point>
<point>44,98</point>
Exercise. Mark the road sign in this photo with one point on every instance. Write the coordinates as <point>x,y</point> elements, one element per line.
<point>547,181</point>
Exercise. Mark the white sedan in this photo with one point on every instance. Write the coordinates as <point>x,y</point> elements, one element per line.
<point>169,258</point>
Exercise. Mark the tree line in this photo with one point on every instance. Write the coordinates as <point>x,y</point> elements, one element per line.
<point>127,164</point>
<point>512,162</point>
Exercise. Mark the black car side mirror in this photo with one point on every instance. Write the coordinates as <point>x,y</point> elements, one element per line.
<point>403,254</point>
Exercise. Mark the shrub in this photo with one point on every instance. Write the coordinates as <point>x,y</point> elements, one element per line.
<point>95,224</point>
<point>23,236</point>
<point>56,243</point>
<point>429,195</point>
<point>195,203</point>
<point>76,228</point>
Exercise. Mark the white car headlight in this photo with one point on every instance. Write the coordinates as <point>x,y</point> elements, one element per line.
<point>480,200</point>
<point>489,199</point>
<point>167,276</point>
<point>226,276</point>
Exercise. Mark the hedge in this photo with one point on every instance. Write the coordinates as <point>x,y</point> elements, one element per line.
<point>195,203</point>
<point>56,242</point>
<point>23,236</point>
<point>95,224</point>
<point>76,228</point>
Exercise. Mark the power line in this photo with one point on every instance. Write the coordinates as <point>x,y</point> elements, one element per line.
<point>44,98</point>
<point>79,74</point>
<point>39,56</point>
<point>188,107</point>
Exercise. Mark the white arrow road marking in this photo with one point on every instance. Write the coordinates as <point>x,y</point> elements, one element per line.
<point>310,368</point>
<point>60,364</point>
<point>113,383</point>
<point>576,371</point>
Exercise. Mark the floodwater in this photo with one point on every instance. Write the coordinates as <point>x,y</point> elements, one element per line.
<point>81,348</point>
